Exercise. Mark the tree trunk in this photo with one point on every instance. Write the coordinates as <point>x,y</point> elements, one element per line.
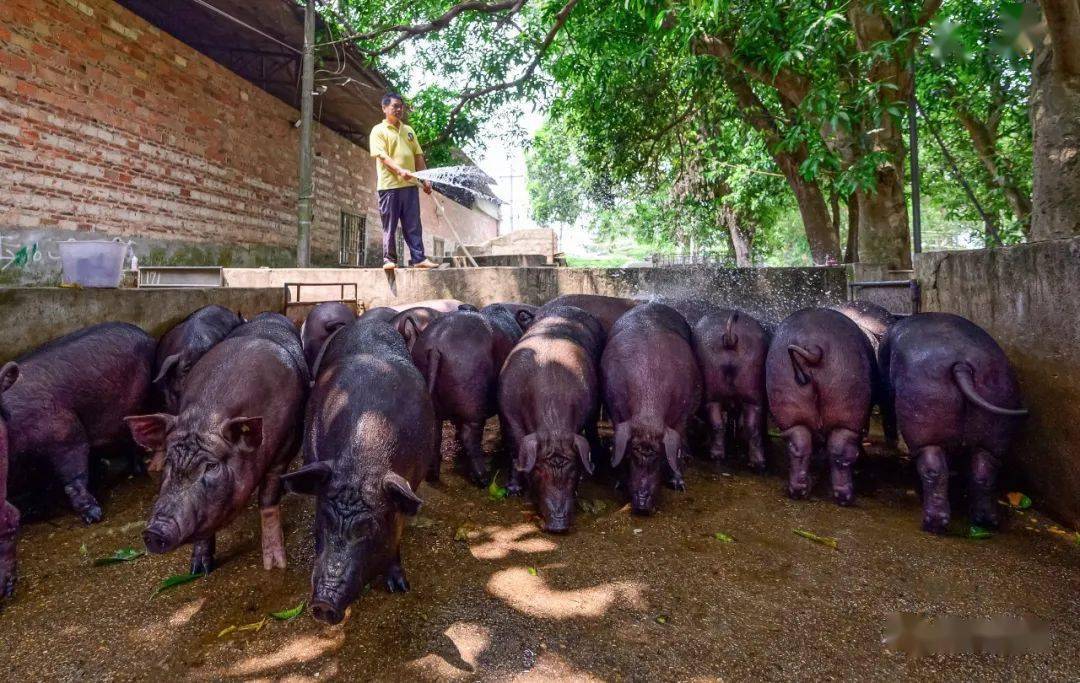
<point>1055,121</point>
<point>824,242</point>
<point>985,143</point>
<point>883,222</point>
<point>741,238</point>
<point>851,253</point>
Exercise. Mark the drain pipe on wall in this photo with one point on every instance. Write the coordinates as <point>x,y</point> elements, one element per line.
<point>440,211</point>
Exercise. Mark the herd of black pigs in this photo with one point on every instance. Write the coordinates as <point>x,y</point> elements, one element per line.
<point>222,405</point>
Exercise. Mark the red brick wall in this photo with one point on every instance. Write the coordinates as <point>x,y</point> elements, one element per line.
<point>108,123</point>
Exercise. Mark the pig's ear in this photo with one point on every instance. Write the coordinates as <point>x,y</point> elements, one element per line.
<point>409,331</point>
<point>170,364</point>
<point>403,495</point>
<point>8,375</point>
<point>149,431</point>
<point>582,445</point>
<point>526,459</point>
<point>672,442</point>
<point>622,439</point>
<point>524,319</point>
<point>307,480</point>
<point>245,432</point>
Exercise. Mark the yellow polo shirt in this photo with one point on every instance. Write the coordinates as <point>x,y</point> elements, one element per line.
<point>398,143</point>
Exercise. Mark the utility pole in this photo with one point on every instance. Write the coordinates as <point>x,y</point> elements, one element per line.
<point>913,146</point>
<point>304,202</point>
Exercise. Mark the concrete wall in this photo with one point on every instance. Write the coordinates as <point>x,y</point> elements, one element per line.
<point>1028,298</point>
<point>770,293</point>
<point>33,316</point>
<point>109,124</point>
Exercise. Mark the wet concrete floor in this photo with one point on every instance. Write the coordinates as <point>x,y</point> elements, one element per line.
<point>620,598</point>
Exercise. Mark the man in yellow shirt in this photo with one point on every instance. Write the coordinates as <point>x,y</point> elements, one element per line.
<point>397,156</point>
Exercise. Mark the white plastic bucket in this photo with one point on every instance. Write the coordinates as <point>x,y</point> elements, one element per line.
<point>92,263</point>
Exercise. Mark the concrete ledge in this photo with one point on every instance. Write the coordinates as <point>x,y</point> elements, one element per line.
<point>33,316</point>
<point>1028,298</point>
<point>770,293</point>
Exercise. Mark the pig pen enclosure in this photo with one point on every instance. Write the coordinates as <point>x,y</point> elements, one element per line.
<point>730,579</point>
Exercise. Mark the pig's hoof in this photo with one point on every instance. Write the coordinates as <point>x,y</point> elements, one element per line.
<point>985,519</point>
<point>91,514</point>
<point>677,483</point>
<point>274,559</point>
<point>798,492</point>
<point>514,489</point>
<point>844,499</point>
<point>935,525</point>
<point>202,564</point>
<point>7,585</point>
<point>757,467</point>
<point>396,582</point>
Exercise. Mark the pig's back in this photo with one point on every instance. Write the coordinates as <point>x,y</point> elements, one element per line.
<point>100,374</point>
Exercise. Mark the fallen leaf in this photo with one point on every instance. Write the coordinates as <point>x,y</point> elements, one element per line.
<point>532,571</point>
<point>290,614</point>
<point>823,540</point>
<point>255,626</point>
<point>82,549</point>
<point>1018,500</point>
<point>463,532</point>
<point>226,631</point>
<point>978,533</point>
<point>661,618</point>
<point>122,555</point>
<point>174,581</point>
<point>721,536</point>
<point>496,492</point>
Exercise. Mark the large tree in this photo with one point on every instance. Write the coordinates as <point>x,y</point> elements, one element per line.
<point>1055,120</point>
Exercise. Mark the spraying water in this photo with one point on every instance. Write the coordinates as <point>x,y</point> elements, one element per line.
<point>467,179</point>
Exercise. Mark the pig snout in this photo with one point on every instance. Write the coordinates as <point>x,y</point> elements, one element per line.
<point>326,612</point>
<point>643,502</point>
<point>557,514</point>
<point>161,536</point>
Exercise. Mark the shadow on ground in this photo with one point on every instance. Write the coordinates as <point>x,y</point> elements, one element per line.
<point>493,597</point>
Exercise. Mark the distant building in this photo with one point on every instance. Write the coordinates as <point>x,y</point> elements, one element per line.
<point>164,123</point>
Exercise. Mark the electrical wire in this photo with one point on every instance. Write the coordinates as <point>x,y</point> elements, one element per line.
<point>246,25</point>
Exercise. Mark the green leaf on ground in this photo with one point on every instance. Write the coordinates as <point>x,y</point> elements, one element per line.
<point>978,533</point>
<point>255,626</point>
<point>290,614</point>
<point>226,631</point>
<point>532,571</point>
<point>722,537</point>
<point>83,549</point>
<point>122,555</point>
<point>496,492</point>
<point>823,540</point>
<point>174,581</point>
<point>661,618</point>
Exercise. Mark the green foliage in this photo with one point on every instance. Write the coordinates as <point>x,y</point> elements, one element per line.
<point>556,180</point>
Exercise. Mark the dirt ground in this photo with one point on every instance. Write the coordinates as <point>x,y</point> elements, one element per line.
<point>619,598</point>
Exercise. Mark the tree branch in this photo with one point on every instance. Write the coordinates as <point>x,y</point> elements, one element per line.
<point>408,31</point>
<point>471,95</point>
<point>1063,23</point>
<point>790,85</point>
<point>929,9</point>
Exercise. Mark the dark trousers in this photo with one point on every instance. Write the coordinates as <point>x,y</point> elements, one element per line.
<point>401,205</point>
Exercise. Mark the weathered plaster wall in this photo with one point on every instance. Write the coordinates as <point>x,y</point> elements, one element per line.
<point>1028,298</point>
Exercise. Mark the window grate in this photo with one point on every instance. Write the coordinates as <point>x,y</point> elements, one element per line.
<point>353,239</point>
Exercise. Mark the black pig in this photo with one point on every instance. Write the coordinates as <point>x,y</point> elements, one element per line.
<point>731,347</point>
<point>181,347</point>
<point>320,324</point>
<point>369,440</point>
<point>461,355</point>
<point>237,429</point>
<point>549,391</point>
<point>651,385</point>
<point>72,395</point>
<point>818,375</point>
<point>954,392</point>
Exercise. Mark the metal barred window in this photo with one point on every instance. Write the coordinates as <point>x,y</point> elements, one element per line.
<point>438,247</point>
<point>353,239</point>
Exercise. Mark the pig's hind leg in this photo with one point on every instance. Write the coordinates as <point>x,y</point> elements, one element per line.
<point>752,430</point>
<point>273,539</point>
<point>70,462</point>
<point>984,473</point>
